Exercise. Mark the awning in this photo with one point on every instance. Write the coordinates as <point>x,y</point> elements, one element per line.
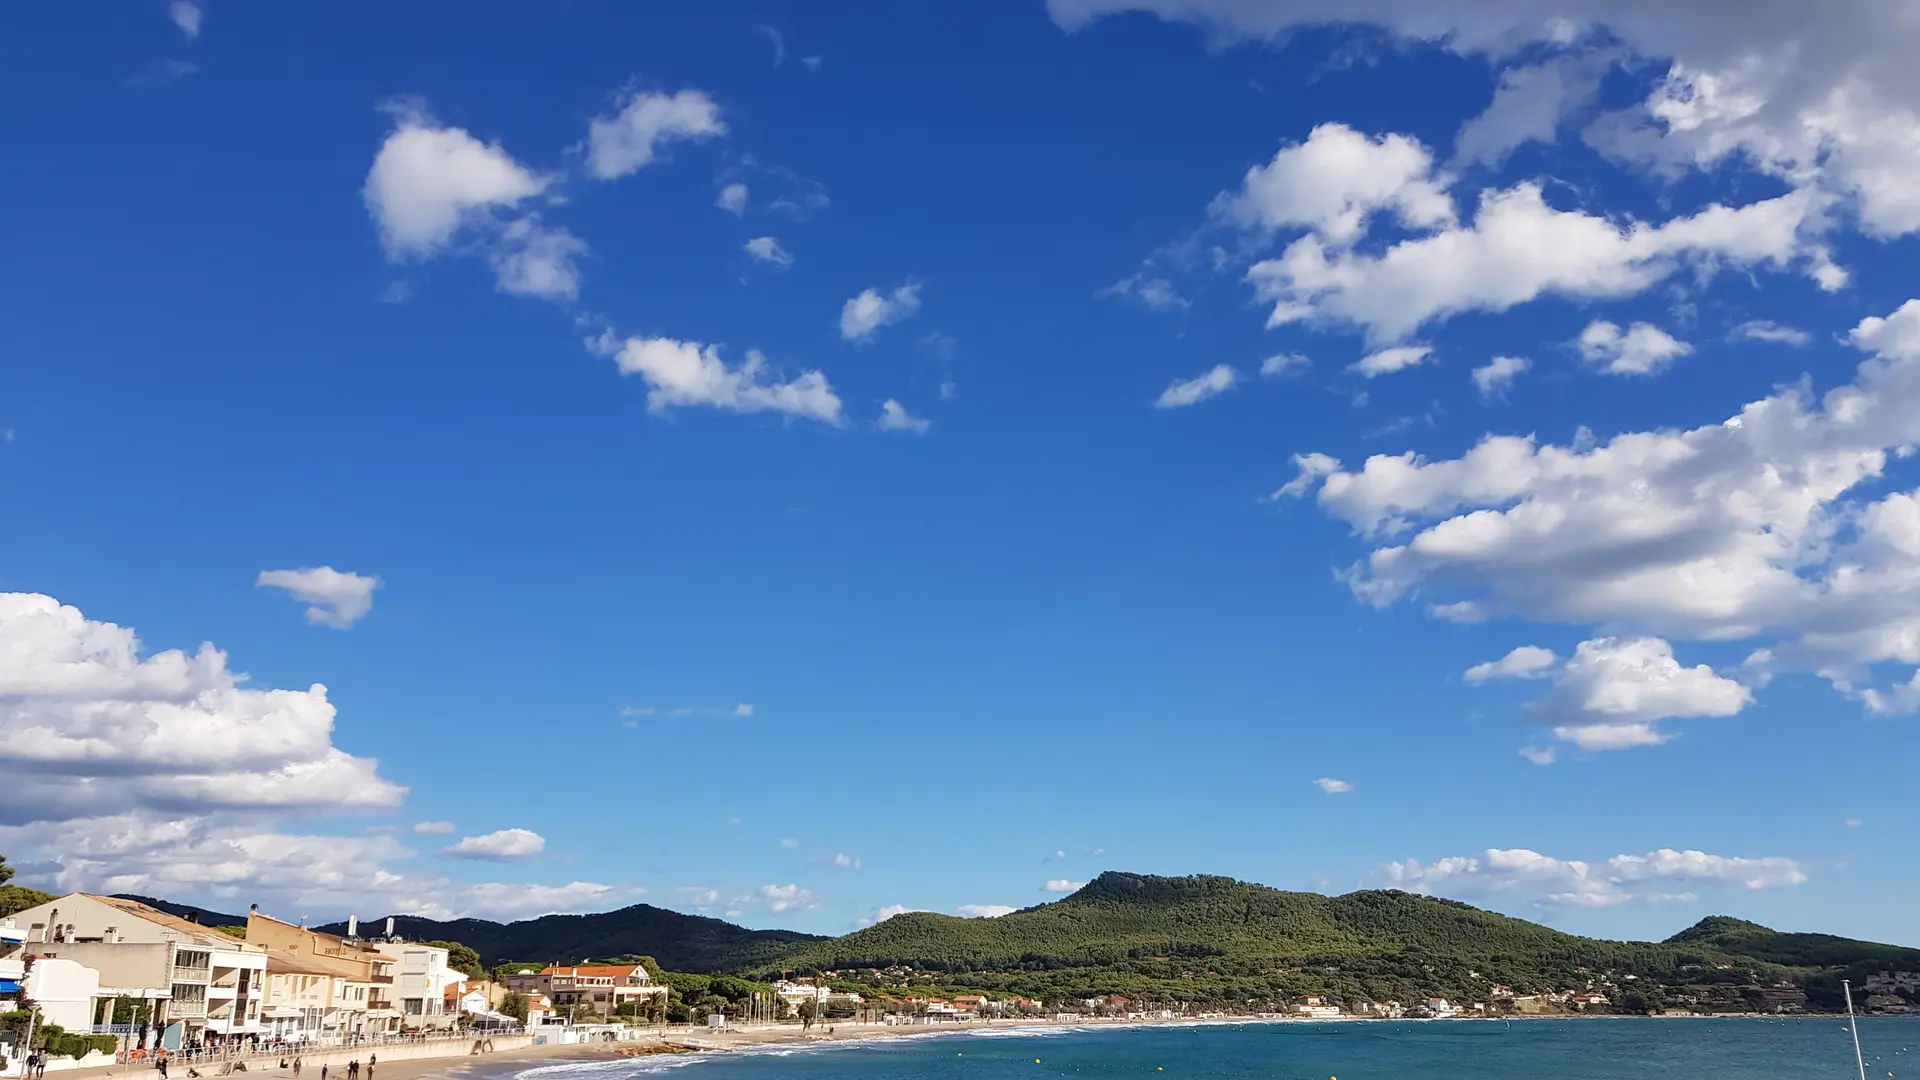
<point>8,986</point>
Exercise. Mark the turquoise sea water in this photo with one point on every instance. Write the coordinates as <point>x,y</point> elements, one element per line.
<point>1597,1049</point>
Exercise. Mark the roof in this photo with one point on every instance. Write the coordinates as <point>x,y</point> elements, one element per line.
<point>595,970</point>
<point>284,962</point>
<point>202,934</point>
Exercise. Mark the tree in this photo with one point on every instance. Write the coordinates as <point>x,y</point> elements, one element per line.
<point>6,872</point>
<point>514,1005</point>
<point>462,959</point>
<point>233,931</point>
<point>17,897</point>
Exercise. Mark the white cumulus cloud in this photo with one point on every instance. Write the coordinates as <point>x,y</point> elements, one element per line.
<point>872,309</point>
<point>335,598</point>
<point>895,417</point>
<point>428,181</point>
<point>1493,378</point>
<point>984,911</point>
<point>1389,360</point>
<point>1333,787</point>
<point>498,846</point>
<point>1523,875</point>
<point>778,898</point>
<point>1062,885</point>
<point>1769,331</point>
<point>1642,349</point>
<point>1525,662</point>
<point>628,141</point>
<point>186,15</point>
<point>1208,384</point>
<point>681,374</point>
<point>1335,181</point>
<point>768,250</point>
<point>733,199</point>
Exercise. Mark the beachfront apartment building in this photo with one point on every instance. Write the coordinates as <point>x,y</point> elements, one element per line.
<point>203,986</point>
<point>604,988</point>
<point>360,989</point>
<point>421,977</point>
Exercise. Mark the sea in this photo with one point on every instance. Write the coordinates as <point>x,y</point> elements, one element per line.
<point>1584,1049</point>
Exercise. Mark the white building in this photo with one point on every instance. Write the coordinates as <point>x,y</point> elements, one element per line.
<point>421,977</point>
<point>205,987</point>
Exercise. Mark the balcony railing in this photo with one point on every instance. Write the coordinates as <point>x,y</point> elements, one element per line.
<point>186,1010</point>
<point>384,980</point>
<point>191,974</point>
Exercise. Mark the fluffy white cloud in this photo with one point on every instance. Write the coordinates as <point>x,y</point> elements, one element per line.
<point>186,15</point>
<point>768,250</point>
<point>1528,105</point>
<point>429,181</point>
<point>895,417</point>
<point>1820,96</point>
<point>687,373</point>
<point>1493,378</point>
<point>433,827</point>
<point>1333,182</point>
<point>1516,249</point>
<point>872,309</point>
<point>1745,529</point>
<point>888,912</point>
<point>531,259</point>
<point>1389,360</point>
<point>1655,877</point>
<point>1769,331</point>
<point>733,199</point>
<point>1642,349</point>
<point>846,862</point>
<point>1062,885</point>
<point>90,727</point>
<point>1613,692</point>
<point>1525,662</point>
<point>162,774</point>
<point>1333,787</point>
<point>1211,383</point>
<point>498,846</point>
<point>627,142</point>
<point>1284,364</point>
<point>334,598</point>
<point>984,911</point>
<point>780,898</point>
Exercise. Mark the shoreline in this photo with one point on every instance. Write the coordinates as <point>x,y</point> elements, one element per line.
<point>709,1045</point>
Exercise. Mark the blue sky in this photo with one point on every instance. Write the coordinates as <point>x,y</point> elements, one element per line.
<point>1005,563</point>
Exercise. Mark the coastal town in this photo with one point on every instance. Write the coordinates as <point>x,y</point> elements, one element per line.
<point>124,982</point>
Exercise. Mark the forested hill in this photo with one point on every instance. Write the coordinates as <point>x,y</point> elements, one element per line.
<point>1737,937</point>
<point>1214,938</point>
<point>679,942</point>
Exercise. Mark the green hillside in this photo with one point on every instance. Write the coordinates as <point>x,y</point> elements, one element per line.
<point>679,942</point>
<point>1216,939</point>
<point>1737,937</point>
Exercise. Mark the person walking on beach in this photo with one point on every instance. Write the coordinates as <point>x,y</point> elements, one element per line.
<point>296,1065</point>
<point>353,1069</point>
<point>323,1073</point>
<point>161,1064</point>
<point>371,1058</point>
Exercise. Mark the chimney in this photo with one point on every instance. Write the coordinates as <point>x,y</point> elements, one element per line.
<point>253,909</point>
<point>389,926</point>
<point>353,926</point>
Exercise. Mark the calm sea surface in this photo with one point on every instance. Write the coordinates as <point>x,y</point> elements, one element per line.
<point>1598,1049</point>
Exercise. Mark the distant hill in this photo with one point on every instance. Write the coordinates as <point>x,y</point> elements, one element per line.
<point>1214,938</point>
<point>679,942</point>
<point>203,916</point>
<point>1737,937</point>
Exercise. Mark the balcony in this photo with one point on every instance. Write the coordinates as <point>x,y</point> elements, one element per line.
<point>383,980</point>
<point>186,1010</point>
<point>183,973</point>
